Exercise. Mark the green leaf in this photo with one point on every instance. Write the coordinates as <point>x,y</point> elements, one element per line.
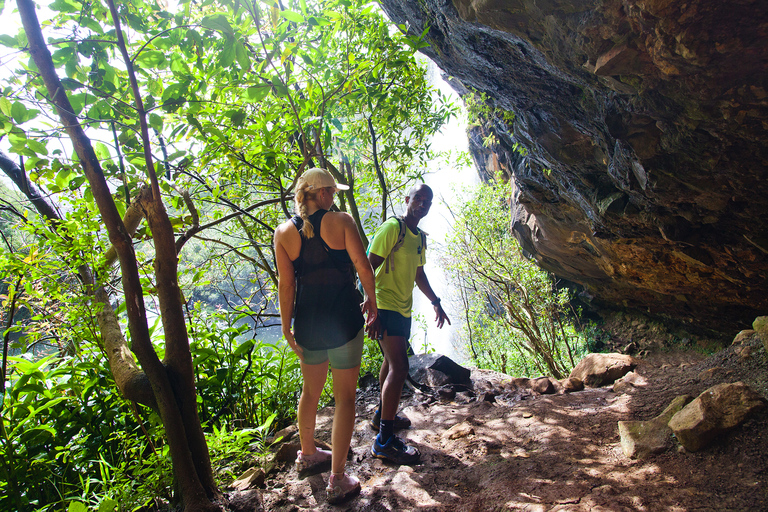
<point>219,23</point>
<point>63,177</point>
<point>292,16</point>
<point>37,146</point>
<point>337,124</point>
<point>152,59</point>
<point>78,102</point>
<point>76,506</point>
<point>102,151</point>
<point>5,106</point>
<point>19,112</point>
<point>92,24</point>
<point>64,6</point>
<point>244,347</point>
<point>173,91</point>
<point>243,58</point>
<point>227,55</point>
<point>237,117</point>
<point>156,122</point>
<point>107,505</point>
<point>256,94</point>
<point>9,41</point>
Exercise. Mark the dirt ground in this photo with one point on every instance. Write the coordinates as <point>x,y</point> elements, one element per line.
<point>554,452</point>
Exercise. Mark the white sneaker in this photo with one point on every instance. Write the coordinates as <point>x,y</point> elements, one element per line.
<point>342,489</point>
<point>312,464</point>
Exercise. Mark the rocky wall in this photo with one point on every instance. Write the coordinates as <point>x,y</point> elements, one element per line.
<point>644,123</point>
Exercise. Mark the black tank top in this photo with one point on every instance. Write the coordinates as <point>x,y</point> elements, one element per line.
<point>327,312</point>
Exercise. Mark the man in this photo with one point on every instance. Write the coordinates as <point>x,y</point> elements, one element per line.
<point>396,271</point>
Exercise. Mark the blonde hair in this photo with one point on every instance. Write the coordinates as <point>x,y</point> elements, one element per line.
<point>302,196</point>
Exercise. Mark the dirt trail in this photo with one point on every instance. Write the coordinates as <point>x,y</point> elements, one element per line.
<point>554,452</point>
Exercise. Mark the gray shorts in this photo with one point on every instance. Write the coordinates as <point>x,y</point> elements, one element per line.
<point>341,358</point>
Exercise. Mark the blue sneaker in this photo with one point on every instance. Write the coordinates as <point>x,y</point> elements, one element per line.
<point>395,450</point>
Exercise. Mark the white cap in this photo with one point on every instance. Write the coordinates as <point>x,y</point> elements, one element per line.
<point>318,178</point>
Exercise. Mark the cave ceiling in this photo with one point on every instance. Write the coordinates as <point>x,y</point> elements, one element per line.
<point>644,125</point>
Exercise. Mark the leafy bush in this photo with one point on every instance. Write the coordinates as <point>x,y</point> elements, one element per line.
<point>62,423</point>
<point>516,318</point>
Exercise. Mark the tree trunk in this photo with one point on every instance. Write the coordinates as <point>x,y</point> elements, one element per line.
<point>173,389</point>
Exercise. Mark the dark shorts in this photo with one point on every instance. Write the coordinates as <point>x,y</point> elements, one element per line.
<point>395,324</point>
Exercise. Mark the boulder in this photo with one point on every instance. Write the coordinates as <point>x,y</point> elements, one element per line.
<point>437,370</point>
<point>599,369</point>
<point>640,439</point>
<point>714,412</point>
<point>629,383</point>
<point>761,326</point>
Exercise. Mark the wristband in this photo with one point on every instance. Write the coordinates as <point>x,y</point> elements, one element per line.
<point>436,302</point>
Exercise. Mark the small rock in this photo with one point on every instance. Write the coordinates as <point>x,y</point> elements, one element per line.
<point>458,431</point>
<point>630,348</point>
<point>714,372</point>
<point>519,383</point>
<point>284,435</point>
<point>745,352</point>
<point>287,452</point>
<point>543,385</point>
<point>446,393</point>
<point>253,477</point>
<point>629,382</point>
<point>572,384</point>
<point>742,336</point>
<point>454,373</point>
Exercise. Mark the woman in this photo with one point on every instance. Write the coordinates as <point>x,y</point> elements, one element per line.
<point>315,253</point>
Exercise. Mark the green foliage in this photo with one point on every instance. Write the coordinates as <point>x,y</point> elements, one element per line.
<point>372,357</point>
<point>241,381</point>
<point>516,319</point>
<point>480,109</point>
<point>240,98</point>
<point>62,425</point>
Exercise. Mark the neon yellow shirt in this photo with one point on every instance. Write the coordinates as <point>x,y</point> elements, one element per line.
<point>394,290</point>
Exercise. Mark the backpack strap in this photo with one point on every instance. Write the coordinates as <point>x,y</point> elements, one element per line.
<point>390,260</point>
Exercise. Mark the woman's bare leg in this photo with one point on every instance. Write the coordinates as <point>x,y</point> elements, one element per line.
<point>344,388</point>
<point>314,380</point>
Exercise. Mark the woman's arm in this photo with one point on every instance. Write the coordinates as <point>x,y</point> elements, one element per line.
<point>356,251</point>
<point>286,285</point>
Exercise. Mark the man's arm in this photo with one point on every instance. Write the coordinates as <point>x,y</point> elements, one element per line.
<point>423,283</point>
